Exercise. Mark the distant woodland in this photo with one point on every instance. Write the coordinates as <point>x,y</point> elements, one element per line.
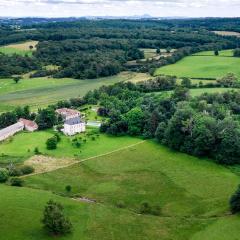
<point>97,48</point>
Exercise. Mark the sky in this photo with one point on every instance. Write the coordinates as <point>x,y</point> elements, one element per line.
<point>156,8</point>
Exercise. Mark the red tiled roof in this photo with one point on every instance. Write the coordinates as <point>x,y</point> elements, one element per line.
<point>28,123</point>
<point>67,111</point>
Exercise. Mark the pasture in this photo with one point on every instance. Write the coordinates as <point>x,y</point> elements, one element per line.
<point>199,91</point>
<point>22,209</point>
<point>202,65</point>
<point>40,92</point>
<point>19,48</point>
<point>193,195</point>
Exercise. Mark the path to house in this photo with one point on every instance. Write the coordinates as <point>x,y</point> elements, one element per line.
<point>84,160</point>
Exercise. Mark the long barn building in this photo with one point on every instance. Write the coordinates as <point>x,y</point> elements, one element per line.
<point>11,130</point>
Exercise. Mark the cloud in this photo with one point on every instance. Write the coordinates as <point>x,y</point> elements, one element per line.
<point>119,7</point>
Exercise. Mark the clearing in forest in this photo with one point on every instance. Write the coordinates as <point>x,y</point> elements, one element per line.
<point>203,65</point>
<point>25,48</point>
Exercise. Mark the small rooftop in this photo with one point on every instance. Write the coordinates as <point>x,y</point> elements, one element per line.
<point>67,111</point>
<point>73,121</point>
<point>11,128</point>
<point>28,123</point>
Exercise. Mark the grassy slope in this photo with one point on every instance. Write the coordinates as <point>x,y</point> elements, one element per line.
<point>20,145</point>
<point>39,92</point>
<point>183,185</point>
<point>21,213</point>
<point>202,66</point>
<point>193,193</point>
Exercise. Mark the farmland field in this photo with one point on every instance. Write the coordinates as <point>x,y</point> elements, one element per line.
<point>192,193</point>
<point>203,66</point>
<point>19,48</point>
<point>40,92</point>
<point>227,33</point>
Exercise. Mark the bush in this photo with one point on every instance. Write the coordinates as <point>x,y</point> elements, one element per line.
<point>26,169</point>
<point>15,172</point>
<point>36,151</point>
<point>17,182</point>
<point>4,174</point>
<point>68,188</point>
<point>120,204</point>
<point>54,220</point>
<point>51,143</point>
<point>146,208</point>
<point>235,202</point>
<point>57,136</point>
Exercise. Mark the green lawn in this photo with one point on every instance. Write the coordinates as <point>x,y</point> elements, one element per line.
<point>192,193</point>
<point>22,145</point>
<point>21,213</point>
<point>40,92</point>
<point>202,66</point>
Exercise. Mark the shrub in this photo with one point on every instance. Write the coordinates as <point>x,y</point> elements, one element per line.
<point>17,182</point>
<point>120,204</point>
<point>57,136</point>
<point>4,174</point>
<point>26,169</point>
<point>54,220</point>
<point>146,208</point>
<point>36,151</point>
<point>15,172</point>
<point>68,188</point>
<point>51,143</point>
<point>156,210</point>
<point>235,202</point>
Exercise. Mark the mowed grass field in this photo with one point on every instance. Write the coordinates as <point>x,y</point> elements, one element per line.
<point>22,145</point>
<point>19,48</point>
<point>40,92</point>
<point>203,65</point>
<point>193,195</point>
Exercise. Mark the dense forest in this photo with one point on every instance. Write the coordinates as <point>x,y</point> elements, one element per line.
<point>95,48</point>
<point>207,125</point>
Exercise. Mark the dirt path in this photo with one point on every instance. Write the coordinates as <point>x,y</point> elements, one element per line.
<point>84,160</point>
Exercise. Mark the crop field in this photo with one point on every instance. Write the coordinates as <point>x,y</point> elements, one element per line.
<point>192,193</point>
<point>19,48</point>
<point>227,33</point>
<point>202,65</point>
<point>40,92</point>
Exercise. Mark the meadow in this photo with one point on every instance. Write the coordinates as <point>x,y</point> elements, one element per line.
<point>192,193</point>
<point>22,145</point>
<point>203,65</point>
<point>40,92</point>
<point>19,48</point>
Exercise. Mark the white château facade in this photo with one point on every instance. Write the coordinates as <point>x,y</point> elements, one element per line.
<point>73,123</point>
<point>73,126</point>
